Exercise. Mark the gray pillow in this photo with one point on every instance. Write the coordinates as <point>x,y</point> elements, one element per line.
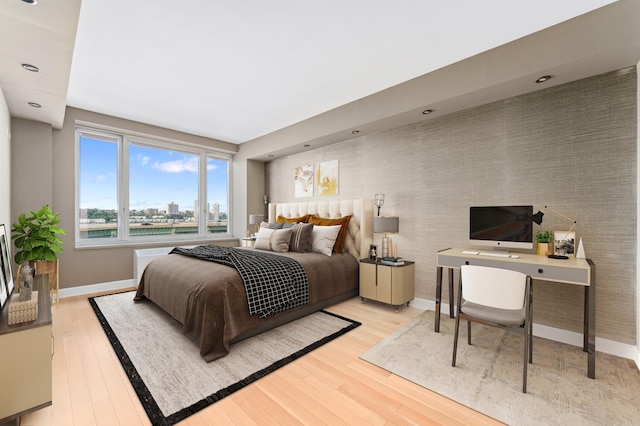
<point>301,237</point>
<point>272,225</point>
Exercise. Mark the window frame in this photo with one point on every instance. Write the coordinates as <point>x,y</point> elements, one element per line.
<point>124,139</point>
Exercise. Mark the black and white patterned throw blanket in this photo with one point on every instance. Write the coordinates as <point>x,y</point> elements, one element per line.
<point>273,283</point>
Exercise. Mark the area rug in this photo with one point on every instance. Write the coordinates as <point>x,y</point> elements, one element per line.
<point>169,375</point>
<point>488,375</point>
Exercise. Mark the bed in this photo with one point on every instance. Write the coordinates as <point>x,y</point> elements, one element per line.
<point>210,300</point>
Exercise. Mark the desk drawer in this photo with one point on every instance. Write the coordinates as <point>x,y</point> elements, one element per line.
<point>457,261</point>
<point>551,273</point>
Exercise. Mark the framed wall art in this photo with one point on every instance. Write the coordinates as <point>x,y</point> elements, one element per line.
<point>303,181</point>
<point>564,243</point>
<point>327,178</point>
<point>5,260</point>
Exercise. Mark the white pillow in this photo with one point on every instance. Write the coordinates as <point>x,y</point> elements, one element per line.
<point>323,238</point>
<point>273,239</point>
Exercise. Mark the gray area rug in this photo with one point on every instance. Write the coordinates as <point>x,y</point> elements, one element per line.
<point>488,375</point>
<point>165,368</point>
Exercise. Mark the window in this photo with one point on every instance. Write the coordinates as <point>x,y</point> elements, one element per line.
<point>132,189</point>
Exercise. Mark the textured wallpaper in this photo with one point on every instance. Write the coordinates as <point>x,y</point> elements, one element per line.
<point>571,147</point>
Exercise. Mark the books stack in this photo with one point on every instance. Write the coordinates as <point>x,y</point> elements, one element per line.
<point>392,261</point>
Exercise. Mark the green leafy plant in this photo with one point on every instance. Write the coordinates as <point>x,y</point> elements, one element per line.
<point>544,236</point>
<point>36,236</point>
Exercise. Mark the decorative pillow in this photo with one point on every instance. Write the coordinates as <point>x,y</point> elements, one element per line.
<point>343,221</point>
<point>271,225</point>
<point>323,238</point>
<point>301,219</point>
<point>301,237</point>
<point>273,239</point>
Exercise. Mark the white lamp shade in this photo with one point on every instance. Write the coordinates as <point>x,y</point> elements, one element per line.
<point>386,224</point>
<point>255,218</point>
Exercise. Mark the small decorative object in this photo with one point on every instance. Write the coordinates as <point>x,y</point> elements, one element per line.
<point>580,253</point>
<point>564,243</point>
<point>373,252</point>
<point>26,281</point>
<point>544,240</point>
<point>23,311</point>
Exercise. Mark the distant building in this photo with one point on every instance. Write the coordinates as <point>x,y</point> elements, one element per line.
<point>173,208</point>
<point>215,212</point>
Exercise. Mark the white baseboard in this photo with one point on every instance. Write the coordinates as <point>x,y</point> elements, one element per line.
<point>95,288</point>
<point>612,347</point>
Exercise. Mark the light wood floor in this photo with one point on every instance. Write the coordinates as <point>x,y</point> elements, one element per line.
<point>331,385</point>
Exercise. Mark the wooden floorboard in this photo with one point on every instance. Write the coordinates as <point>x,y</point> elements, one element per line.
<point>330,385</point>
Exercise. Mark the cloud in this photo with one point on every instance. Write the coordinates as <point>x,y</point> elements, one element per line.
<point>189,164</point>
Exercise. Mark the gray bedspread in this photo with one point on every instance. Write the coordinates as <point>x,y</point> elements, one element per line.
<point>210,300</point>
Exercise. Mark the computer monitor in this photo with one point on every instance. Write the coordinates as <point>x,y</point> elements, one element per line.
<point>501,227</point>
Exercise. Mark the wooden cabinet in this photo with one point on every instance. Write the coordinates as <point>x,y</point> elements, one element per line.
<point>25,359</point>
<point>385,283</point>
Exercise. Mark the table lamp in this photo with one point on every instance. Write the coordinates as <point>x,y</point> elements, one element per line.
<point>256,220</point>
<point>386,225</point>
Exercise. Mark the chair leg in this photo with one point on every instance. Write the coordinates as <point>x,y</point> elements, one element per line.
<point>455,339</point>
<point>469,333</point>
<point>525,360</point>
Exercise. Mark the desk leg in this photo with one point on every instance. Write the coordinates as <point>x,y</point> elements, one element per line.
<point>438,297</point>
<point>451,313</point>
<point>589,344</point>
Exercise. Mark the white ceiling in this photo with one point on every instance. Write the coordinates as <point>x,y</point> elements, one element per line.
<point>237,71</point>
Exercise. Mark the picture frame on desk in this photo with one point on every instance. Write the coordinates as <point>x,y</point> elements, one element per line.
<point>564,243</point>
<point>5,260</point>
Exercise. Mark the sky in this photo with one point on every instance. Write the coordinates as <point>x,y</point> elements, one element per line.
<point>157,177</point>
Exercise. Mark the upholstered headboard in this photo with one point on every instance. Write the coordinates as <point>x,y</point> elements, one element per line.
<point>360,234</point>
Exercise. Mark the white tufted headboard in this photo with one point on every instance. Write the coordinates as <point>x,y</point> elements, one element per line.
<point>360,233</point>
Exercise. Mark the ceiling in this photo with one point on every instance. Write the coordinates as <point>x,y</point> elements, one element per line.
<point>256,71</point>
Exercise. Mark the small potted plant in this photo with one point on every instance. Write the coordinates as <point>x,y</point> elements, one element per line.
<point>36,238</point>
<point>545,242</point>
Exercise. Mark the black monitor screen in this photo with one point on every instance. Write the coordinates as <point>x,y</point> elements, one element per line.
<point>508,224</point>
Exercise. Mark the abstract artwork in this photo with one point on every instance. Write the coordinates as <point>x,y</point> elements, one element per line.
<point>327,178</point>
<point>303,181</point>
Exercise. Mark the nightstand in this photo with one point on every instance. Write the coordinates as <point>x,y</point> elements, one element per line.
<point>248,242</point>
<point>392,284</point>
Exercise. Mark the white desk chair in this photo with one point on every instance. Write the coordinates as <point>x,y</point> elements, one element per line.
<point>496,297</point>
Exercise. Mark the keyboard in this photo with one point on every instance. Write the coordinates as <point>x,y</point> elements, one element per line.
<point>493,254</point>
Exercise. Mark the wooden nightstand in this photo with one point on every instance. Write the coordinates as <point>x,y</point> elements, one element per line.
<point>386,283</point>
<point>248,242</point>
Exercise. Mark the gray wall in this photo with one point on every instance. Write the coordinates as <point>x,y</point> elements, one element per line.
<point>5,164</point>
<point>571,147</point>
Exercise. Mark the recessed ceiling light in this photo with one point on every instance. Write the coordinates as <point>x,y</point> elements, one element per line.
<point>31,2</point>
<point>30,67</point>
<point>543,79</point>
<point>427,111</point>
<point>355,132</point>
<point>35,105</point>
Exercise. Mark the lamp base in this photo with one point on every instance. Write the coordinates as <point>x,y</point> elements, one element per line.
<point>385,246</point>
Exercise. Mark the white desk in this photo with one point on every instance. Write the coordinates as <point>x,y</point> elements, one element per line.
<point>567,271</point>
